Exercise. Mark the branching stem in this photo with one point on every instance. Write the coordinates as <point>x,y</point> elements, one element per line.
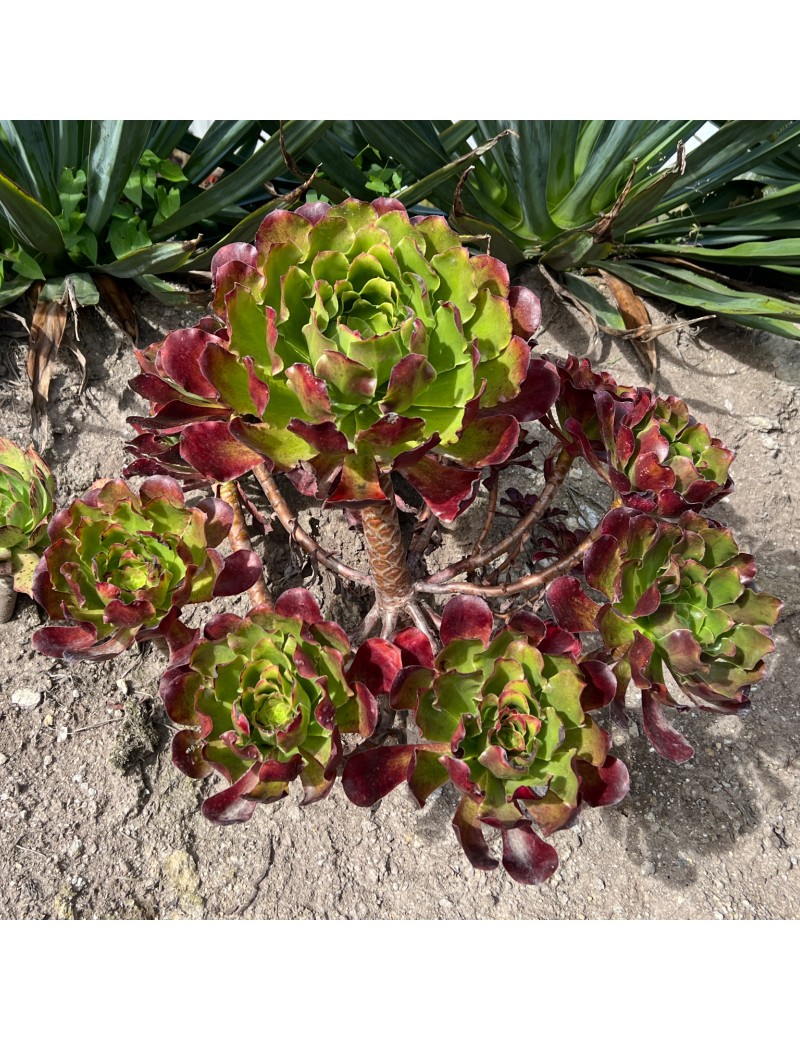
<point>294,529</point>
<point>531,581</point>
<point>476,560</point>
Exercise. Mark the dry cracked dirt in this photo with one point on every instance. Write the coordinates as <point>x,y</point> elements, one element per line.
<point>95,822</point>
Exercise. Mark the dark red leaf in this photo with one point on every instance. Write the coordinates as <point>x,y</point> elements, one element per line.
<point>469,832</point>
<point>212,450</point>
<point>467,617</point>
<point>607,784</point>
<point>371,775</point>
<point>448,490</point>
<point>571,607</point>
<point>528,859</point>
<point>299,603</point>
<point>415,648</point>
<point>240,571</point>
<point>526,311</point>
<point>667,741</point>
<point>376,665</point>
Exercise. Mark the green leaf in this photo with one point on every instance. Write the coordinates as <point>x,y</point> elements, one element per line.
<point>10,291</point>
<point>71,186</point>
<point>33,150</point>
<point>21,263</point>
<point>114,150</point>
<point>603,310</point>
<point>264,165</point>
<point>29,222</point>
<point>152,259</point>
<point>125,236</point>
<point>83,286</point>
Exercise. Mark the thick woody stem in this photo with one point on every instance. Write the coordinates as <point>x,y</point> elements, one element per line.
<point>532,581</point>
<point>476,560</point>
<point>292,526</point>
<point>387,554</point>
<point>239,539</point>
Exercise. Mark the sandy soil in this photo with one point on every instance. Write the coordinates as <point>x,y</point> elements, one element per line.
<point>95,822</point>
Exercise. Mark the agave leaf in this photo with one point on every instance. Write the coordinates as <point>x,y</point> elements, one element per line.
<point>33,151</point>
<point>780,250</point>
<point>221,138</point>
<point>10,291</point>
<point>604,312</point>
<point>422,188</point>
<point>693,290</point>
<point>156,259</point>
<point>732,150</point>
<point>171,295</point>
<point>114,149</point>
<point>167,135</point>
<point>262,166</point>
<point>29,221</point>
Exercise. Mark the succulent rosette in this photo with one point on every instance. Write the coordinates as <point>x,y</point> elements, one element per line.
<point>680,603</point>
<point>122,565</point>
<point>265,699</point>
<point>508,724</point>
<point>351,341</point>
<point>27,493</point>
<point>660,460</point>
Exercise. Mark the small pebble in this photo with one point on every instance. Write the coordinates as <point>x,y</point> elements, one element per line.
<point>62,734</point>
<point>47,760</point>
<point>3,759</point>
<point>26,697</point>
<point>648,868</point>
<point>48,720</point>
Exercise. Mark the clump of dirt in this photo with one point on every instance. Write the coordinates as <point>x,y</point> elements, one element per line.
<point>137,737</point>
<point>715,838</point>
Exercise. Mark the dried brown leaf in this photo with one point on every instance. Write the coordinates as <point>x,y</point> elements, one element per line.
<point>47,331</point>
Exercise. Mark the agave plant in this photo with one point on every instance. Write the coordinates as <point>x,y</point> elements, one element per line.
<point>505,720</point>
<point>27,494</point>
<point>265,699</point>
<point>627,199</point>
<point>85,204</point>
<point>121,565</point>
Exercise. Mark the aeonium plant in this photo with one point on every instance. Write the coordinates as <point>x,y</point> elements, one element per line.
<point>505,720</point>
<point>358,352</point>
<point>266,698</point>
<point>122,564</point>
<point>27,501</point>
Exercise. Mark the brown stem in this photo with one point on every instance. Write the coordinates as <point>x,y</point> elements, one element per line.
<point>476,560</point>
<point>300,535</point>
<point>387,554</point>
<point>491,511</point>
<point>532,581</point>
<point>239,539</point>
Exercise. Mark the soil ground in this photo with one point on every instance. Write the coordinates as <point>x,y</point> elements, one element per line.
<point>95,822</point>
